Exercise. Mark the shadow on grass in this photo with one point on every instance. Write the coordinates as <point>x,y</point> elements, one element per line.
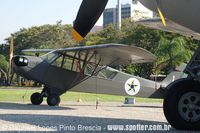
<point>18,106</point>
<point>142,106</point>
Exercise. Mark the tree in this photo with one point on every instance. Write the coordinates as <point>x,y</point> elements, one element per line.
<point>142,70</point>
<point>151,40</point>
<point>171,49</point>
<point>4,65</point>
<point>111,34</point>
<point>45,36</point>
<point>171,53</point>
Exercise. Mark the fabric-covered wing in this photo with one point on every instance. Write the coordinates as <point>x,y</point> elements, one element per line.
<point>111,54</point>
<point>170,27</point>
<point>183,12</point>
<point>34,51</point>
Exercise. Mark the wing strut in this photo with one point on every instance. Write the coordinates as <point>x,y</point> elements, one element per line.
<point>94,73</point>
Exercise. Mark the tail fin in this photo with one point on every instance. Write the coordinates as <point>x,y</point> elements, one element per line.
<point>174,75</point>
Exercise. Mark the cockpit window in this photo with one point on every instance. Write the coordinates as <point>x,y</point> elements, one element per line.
<point>58,61</point>
<point>64,61</point>
<point>185,75</point>
<point>107,73</point>
<point>89,69</point>
<point>69,62</point>
<point>50,57</point>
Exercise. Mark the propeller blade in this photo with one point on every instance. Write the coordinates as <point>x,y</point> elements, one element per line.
<point>89,13</point>
<point>160,13</point>
<point>162,16</point>
<point>11,48</point>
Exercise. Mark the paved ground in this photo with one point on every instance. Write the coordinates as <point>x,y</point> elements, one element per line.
<point>80,117</point>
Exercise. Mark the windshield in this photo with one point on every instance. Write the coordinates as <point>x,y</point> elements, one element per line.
<point>107,73</point>
<point>50,57</point>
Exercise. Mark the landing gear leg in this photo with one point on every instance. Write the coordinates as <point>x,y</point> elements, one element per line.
<point>37,98</point>
<point>52,99</point>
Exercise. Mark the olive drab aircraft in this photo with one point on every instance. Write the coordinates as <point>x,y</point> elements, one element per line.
<point>85,68</point>
<point>182,101</point>
<point>88,69</point>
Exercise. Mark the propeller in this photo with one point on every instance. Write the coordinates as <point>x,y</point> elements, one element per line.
<point>11,55</point>
<point>88,14</point>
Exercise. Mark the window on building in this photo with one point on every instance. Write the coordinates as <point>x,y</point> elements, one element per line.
<point>134,1</point>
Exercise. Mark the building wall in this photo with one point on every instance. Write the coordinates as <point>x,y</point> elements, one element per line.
<point>127,11</point>
<point>141,12</point>
<point>109,16</point>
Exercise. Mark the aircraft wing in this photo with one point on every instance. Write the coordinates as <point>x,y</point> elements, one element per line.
<point>33,52</point>
<point>183,12</point>
<point>110,54</point>
<point>113,54</point>
<point>171,26</point>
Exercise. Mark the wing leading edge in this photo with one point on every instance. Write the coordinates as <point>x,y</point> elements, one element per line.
<point>110,54</point>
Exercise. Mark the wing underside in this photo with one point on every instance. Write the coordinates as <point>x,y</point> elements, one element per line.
<point>183,12</point>
<point>170,27</point>
<point>107,54</point>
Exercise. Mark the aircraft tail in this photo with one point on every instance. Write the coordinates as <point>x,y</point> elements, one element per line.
<point>174,75</point>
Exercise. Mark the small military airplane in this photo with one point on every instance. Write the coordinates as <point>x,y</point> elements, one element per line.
<point>182,101</point>
<point>86,69</point>
<point>181,105</point>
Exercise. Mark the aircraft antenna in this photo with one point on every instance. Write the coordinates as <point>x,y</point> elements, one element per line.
<point>97,99</point>
<point>24,94</point>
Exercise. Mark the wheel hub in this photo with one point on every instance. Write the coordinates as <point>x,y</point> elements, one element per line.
<point>189,106</point>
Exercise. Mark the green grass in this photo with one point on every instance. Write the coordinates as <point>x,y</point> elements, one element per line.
<point>16,94</point>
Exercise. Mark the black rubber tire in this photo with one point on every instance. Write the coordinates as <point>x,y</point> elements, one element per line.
<point>170,105</point>
<point>36,98</point>
<point>53,100</point>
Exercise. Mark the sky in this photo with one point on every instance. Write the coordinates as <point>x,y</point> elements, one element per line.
<point>17,14</point>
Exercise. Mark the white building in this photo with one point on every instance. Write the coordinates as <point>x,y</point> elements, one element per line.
<point>135,11</point>
<point>140,12</point>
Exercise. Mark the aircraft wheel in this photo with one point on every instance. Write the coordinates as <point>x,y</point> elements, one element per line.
<point>182,104</point>
<point>53,100</point>
<point>36,98</point>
